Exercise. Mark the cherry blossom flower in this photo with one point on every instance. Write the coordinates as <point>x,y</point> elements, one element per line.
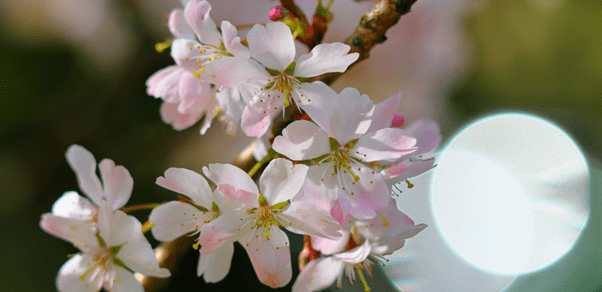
<point>108,252</point>
<point>276,78</point>
<point>363,243</point>
<point>186,97</point>
<point>348,158</point>
<point>256,225</point>
<point>115,188</point>
<point>177,218</point>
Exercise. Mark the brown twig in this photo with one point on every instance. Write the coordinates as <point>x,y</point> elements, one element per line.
<point>370,32</point>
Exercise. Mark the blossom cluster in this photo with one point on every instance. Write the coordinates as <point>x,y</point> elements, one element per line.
<point>331,176</point>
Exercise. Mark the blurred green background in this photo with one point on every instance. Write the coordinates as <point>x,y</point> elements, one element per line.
<point>74,72</point>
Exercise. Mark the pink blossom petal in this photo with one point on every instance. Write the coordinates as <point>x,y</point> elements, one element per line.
<point>188,183</point>
<point>224,229</point>
<point>305,218</point>
<point>215,266</point>
<point>325,58</point>
<point>408,169</point>
<point>384,113</point>
<point>318,274</point>
<point>272,45</point>
<point>232,41</point>
<point>271,258</point>
<point>174,219</point>
<point>233,71</point>
<point>367,199</point>
<point>302,140</point>
<point>320,187</point>
<point>355,255</point>
<point>78,232</point>
<point>197,15</point>
<point>84,165</point>
<point>72,205</point>
<point>178,26</point>
<point>164,83</point>
<point>256,121</point>
<point>387,144</point>
<point>281,180</point>
<point>125,281</point>
<point>178,121</point>
<point>117,182</point>
<point>233,182</point>
<point>388,245</point>
<point>427,133</point>
<point>319,103</point>
<point>329,246</point>
<point>194,96</point>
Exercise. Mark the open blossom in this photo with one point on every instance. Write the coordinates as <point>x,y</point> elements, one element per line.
<point>362,242</point>
<point>115,188</point>
<point>273,74</point>
<point>108,252</point>
<point>186,97</point>
<point>348,154</point>
<point>176,218</point>
<point>256,225</point>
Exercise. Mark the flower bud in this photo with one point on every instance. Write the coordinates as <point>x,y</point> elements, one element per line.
<point>278,12</point>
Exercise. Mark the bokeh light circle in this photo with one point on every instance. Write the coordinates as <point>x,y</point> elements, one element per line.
<point>510,193</point>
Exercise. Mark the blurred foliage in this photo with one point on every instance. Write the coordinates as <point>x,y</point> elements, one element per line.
<point>540,56</point>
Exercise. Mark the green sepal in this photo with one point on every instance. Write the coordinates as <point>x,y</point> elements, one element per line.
<point>118,262</point>
<point>201,208</point>
<point>214,207</point>
<point>262,200</point>
<point>273,73</point>
<point>334,144</point>
<point>351,144</point>
<point>301,79</point>
<point>280,205</point>
<point>290,69</point>
<point>115,249</point>
<point>101,241</point>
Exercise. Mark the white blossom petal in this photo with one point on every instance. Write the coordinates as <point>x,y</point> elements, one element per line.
<point>197,15</point>
<point>233,182</point>
<point>185,53</point>
<point>117,183</point>
<point>309,219</point>
<point>174,219</point>
<point>272,45</point>
<point>321,101</point>
<point>351,115</point>
<point>164,83</point>
<point>68,277</point>
<point>329,246</point>
<point>125,281</point>
<point>139,256</point>
<point>194,96</point>
<point>178,26</point>
<point>428,136</point>
<point>387,144</point>
<point>115,227</point>
<point>384,112</point>
<point>325,58</point>
<point>215,266</point>
<point>302,140</point>
<point>355,255</point>
<point>188,183</point>
<point>318,274</point>
<point>232,41</point>
<point>281,180</point>
<point>72,205</point>
<point>84,165</point>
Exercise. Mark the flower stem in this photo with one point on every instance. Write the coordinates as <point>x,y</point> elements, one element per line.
<point>271,155</point>
<point>362,279</point>
<point>151,206</point>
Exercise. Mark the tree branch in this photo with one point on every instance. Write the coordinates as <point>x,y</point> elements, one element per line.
<point>370,32</point>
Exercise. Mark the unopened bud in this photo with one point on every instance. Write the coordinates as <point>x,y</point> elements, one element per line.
<point>278,12</point>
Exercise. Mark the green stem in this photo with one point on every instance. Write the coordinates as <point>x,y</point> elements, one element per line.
<point>362,279</point>
<point>271,155</point>
<point>151,206</point>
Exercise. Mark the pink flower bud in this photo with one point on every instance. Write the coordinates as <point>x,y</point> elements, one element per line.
<point>278,12</point>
